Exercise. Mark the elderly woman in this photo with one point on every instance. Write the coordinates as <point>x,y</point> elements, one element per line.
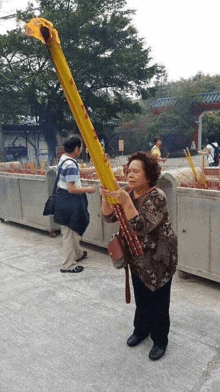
<point>145,207</point>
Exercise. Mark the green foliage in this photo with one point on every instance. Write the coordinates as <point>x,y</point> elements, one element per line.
<point>211,126</point>
<point>134,130</point>
<point>171,126</point>
<point>175,125</point>
<point>107,58</point>
<point>178,127</point>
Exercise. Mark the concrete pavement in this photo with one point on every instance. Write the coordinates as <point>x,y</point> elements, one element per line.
<point>67,332</point>
<point>171,163</point>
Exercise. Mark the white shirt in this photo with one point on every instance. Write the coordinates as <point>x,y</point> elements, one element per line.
<point>210,157</point>
<point>156,151</point>
<point>69,172</point>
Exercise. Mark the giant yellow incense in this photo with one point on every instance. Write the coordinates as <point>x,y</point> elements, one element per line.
<point>42,29</point>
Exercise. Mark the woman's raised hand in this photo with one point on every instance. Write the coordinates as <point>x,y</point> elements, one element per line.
<point>103,192</point>
<point>121,195</point>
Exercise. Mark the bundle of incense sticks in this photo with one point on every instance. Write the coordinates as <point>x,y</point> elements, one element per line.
<point>191,163</point>
<point>203,179</point>
<point>43,29</point>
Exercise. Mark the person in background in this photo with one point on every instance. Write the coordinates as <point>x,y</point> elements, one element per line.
<point>145,208</point>
<point>156,149</point>
<point>71,205</point>
<point>103,144</point>
<point>125,169</point>
<point>193,146</point>
<point>210,150</point>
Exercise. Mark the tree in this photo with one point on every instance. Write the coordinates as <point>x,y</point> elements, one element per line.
<point>176,123</point>
<point>107,58</point>
<point>211,126</point>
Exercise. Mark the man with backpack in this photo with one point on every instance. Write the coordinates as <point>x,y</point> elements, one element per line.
<point>211,151</point>
<point>71,204</point>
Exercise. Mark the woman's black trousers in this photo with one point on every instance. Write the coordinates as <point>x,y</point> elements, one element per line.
<point>152,312</point>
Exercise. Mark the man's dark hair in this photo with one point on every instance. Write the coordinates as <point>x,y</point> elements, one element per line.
<point>151,166</point>
<point>210,138</point>
<point>158,138</point>
<point>71,143</point>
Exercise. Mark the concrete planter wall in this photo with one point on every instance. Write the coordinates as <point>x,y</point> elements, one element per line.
<point>8,165</point>
<point>168,182</point>
<point>23,197</point>
<point>199,232</point>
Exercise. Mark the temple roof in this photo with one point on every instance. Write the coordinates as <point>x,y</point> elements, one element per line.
<point>171,101</point>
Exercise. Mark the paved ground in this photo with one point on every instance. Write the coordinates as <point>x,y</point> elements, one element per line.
<point>67,333</point>
<point>171,163</point>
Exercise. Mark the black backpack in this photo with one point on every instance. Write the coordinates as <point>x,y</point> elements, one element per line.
<point>216,153</point>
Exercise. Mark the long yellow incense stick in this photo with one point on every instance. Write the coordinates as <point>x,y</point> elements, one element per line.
<point>42,29</point>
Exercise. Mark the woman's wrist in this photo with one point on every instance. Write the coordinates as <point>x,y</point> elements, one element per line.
<point>130,210</point>
<point>106,209</point>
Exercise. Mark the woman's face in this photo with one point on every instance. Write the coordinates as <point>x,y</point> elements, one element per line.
<point>136,176</point>
<point>158,143</point>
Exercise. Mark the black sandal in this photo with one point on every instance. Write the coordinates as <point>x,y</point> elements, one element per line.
<point>83,256</point>
<point>79,268</point>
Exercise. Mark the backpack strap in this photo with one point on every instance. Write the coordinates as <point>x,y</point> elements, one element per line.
<point>127,283</point>
<point>215,147</point>
<point>127,286</point>
<point>58,173</point>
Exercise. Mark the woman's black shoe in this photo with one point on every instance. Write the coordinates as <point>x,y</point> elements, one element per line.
<point>78,268</point>
<point>134,340</point>
<point>83,256</point>
<point>157,352</point>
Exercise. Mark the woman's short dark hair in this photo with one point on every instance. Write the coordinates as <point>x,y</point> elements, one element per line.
<point>151,166</point>
<point>71,143</point>
<point>158,138</point>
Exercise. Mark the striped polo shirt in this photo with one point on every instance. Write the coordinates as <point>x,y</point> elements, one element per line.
<point>69,172</point>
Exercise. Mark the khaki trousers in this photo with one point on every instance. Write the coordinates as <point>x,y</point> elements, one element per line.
<point>71,248</point>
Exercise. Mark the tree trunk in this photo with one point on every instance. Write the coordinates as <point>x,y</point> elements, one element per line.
<point>49,132</point>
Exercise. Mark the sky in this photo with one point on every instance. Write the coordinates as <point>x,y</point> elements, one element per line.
<point>183,36</point>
